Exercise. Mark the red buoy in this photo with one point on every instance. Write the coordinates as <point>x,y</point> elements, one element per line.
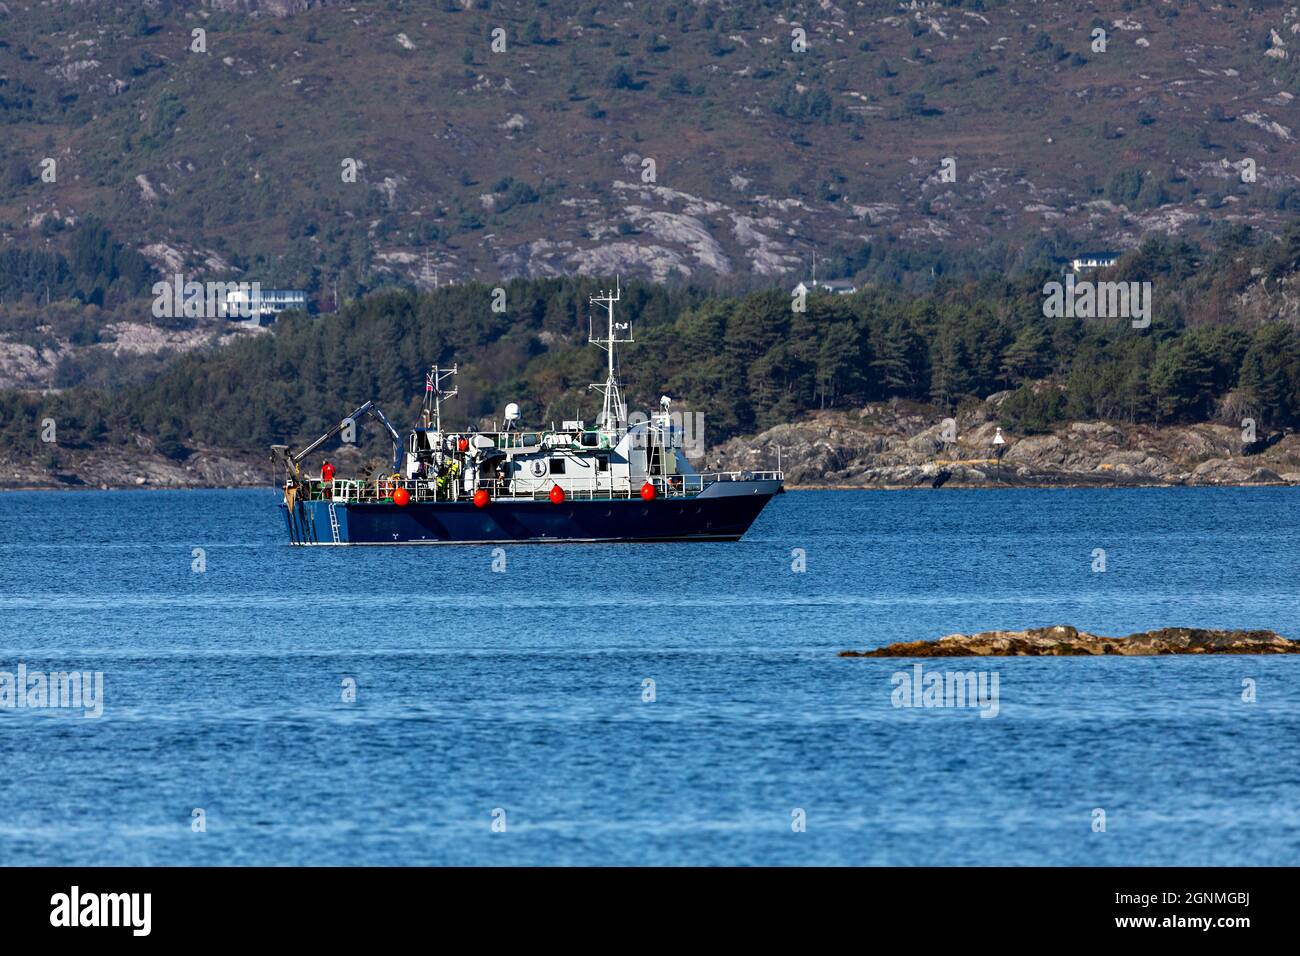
<point>327,472</point>
<point>557,495</point>
<point>481,498</point>
<point>463,445</point>
<point>401,497</point>
<point>648,492</point>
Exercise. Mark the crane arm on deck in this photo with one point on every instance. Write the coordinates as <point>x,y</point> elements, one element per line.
<point>292,460</point>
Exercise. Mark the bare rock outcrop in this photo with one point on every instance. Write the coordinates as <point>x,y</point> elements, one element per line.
<point>1065,641</point>
<point>901,444</point>
<point>134,466</point>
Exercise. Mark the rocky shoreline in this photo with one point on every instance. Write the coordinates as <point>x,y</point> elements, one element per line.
<point>888,445</point>
<point>1065,641</point>
<point>118,467</point>
<point>894,445</point>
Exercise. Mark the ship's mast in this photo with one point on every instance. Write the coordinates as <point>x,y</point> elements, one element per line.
<point>613,414</point>
<point>434,395</point>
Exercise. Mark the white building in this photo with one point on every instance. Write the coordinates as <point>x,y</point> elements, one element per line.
<point>1094,260</point>
<point>833,286</point>
<point>260,304</point>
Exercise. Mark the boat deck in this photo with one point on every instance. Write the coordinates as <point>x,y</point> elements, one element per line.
<point>425,490</point>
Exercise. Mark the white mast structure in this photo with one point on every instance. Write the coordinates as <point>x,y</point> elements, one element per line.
<point>433,392</point>
<point>613,414</point>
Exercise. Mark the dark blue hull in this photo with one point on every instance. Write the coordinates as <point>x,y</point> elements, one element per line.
<point>721,517</point>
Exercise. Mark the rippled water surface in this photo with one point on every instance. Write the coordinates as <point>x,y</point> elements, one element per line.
<point>523,691</point>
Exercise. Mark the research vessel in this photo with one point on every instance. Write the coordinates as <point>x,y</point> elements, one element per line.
<point>613,481</point>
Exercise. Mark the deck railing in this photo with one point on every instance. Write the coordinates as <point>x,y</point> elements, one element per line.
<point>357,491</point>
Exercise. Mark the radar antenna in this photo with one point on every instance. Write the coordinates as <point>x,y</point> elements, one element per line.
<point>435,395</point>
<point>613,414</point>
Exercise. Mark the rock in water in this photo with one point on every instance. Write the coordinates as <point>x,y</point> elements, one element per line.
<point>1063,641</point>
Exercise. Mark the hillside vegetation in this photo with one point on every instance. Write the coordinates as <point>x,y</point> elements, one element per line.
<point>746,362</point>
<point>944,156</point>
<point>678,140</point>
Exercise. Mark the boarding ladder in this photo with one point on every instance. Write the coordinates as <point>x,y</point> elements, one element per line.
<point>334,523</point>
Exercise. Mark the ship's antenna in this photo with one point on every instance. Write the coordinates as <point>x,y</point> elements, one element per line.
<point>613,413</point>
<point>435,394</point>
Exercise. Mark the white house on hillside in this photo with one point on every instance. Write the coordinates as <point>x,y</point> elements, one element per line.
<point>1093,260</point>
<point>833,286</point>
<point>264,303</point>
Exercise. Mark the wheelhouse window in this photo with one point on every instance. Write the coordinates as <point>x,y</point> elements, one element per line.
<point>557,466</point>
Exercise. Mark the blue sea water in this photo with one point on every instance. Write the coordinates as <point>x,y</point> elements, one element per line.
<point>519,695</point>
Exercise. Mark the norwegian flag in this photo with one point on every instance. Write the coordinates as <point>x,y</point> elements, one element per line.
<point>428,381</point>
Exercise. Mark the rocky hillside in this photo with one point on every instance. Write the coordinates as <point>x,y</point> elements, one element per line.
<point>902,445</point>
<point>61,347</point>
<point>325,145</point>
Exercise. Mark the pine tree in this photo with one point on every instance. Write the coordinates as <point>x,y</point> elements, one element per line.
<point>893,367</point>
<point>1270,374</point>
<point>950,370</point>
<point>1026,357</point>
<point>1182,380</point>
<point>837,363</point>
